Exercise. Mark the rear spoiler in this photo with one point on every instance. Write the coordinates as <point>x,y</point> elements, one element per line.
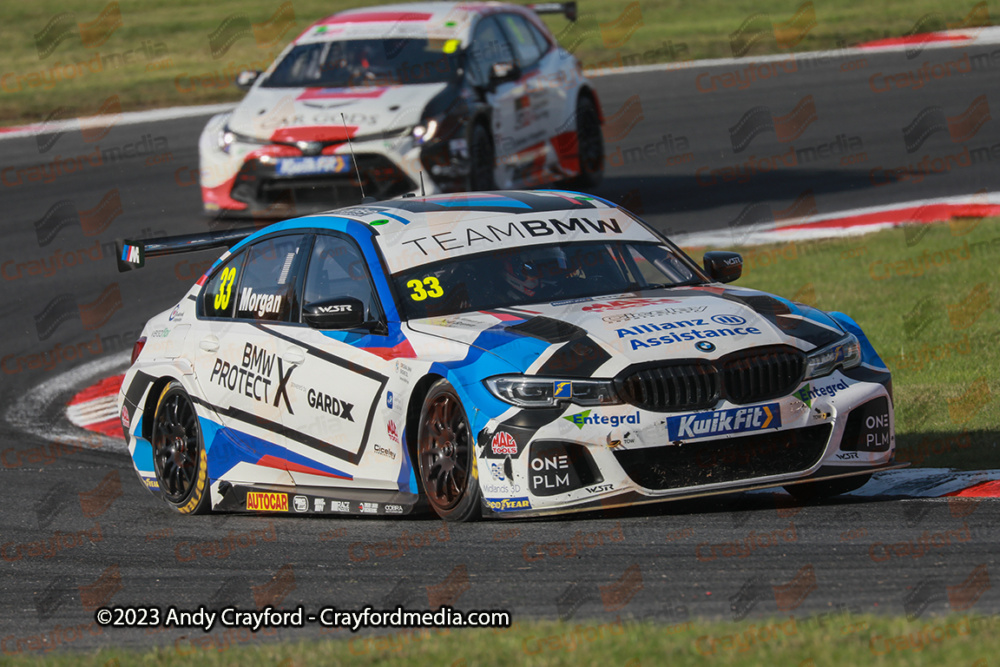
<point>133,254</point>
<point>567,9</point>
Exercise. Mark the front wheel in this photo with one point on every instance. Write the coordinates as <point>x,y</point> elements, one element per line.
<point>179,458</point>
<point>446,456</point>
<point>813,491</point>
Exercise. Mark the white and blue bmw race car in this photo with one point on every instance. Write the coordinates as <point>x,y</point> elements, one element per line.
<point>411,98</point>
<point>512,353</point>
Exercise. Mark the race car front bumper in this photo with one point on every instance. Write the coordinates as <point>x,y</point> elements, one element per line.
<point>246,178</point>
<point>624,456</point>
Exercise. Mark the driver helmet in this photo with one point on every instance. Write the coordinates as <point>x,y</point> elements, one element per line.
<point>527,271</point>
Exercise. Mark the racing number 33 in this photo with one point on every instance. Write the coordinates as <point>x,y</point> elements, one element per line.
<point>225,288</point>
<point>419,293</point>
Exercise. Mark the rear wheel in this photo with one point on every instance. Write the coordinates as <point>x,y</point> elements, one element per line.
<point>482,160</point>
<point>825,489</point>
<point>446,456</point>
<point>179,458</point>
<point>590,144</point>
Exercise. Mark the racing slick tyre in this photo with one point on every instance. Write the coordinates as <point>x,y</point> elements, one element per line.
<point>179,453</point>
<point>482,159</point>
<point>446,456</point>
<point>825,489</point>
<point>590,144</point>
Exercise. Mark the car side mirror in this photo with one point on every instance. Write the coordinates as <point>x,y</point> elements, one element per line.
<point>503,72</point>
<point>723,266</point>
<point>341,313</point>
<point>246,78</point>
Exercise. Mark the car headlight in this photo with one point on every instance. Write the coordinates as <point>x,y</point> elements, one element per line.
<point>845,353</point>
<point>425,131</point>
<point>227,138</point>
<point>535,392</point>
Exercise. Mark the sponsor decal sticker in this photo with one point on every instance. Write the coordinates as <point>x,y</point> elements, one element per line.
<point>319,504</point>
<point>550,472</point>
<point>500,488</point>
<point>808,392</point>
<point>581,419</point>
<point>600,488</point>
<point>724,422</point>
<point>503,443</point>
<point>508,504</point>
<point>698,329</point>
<point>388,400</point>
<point>261,304</point>
<point>252,377</point>
<point>478,237</point>
<point>300,503</point>
<point>340,506</point>
<point>330,405</point>
<point>496,472</point>
<point>393,509</point>
<point>388,453</point>
<point>390,427</point>
<point>337,308</point>
<point>323,164</point>
<point>125,418</point>
<point>624,317</point>
<point>625,304</point>
<point>267,502</point>
<point>562,389</point>
<point>368,508</point>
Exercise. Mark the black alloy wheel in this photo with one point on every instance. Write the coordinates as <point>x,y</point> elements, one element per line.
<point>179,458</point>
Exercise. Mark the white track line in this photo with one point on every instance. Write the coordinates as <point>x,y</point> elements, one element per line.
<point>776,232</point>
<point>127,118</point>
<point>27,412</point>
<point>94,411</point>
<point>982,37</point>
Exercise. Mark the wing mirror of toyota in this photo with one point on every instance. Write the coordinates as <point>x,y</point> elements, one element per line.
<point>246,78</point>
<point>503,72</point>
<point>722,265</point>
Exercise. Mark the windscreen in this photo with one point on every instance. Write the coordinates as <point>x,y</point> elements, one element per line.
<point>539,274</point>
<point>366,62</point>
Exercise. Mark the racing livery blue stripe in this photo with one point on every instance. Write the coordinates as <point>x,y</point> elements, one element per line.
<point>282,429</point>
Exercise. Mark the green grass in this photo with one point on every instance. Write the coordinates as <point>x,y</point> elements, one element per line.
<point>834,639</point>
<point>938,332</point>
<point>170,40</point>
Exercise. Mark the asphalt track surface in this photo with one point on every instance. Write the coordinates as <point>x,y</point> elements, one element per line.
<point>655,562</point>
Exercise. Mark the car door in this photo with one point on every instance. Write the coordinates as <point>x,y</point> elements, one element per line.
<point>334,417</point>
<point>243,369</point>
<point>490,46</point>
<point>539,104</point>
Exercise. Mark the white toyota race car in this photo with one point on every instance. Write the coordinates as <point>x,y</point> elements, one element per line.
<point>434,97</point>
<point>508,353</point>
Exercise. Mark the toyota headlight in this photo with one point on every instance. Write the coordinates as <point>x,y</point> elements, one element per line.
<point>535,392</point>
<point>227,138</point>
<point>425,131</point>
<point>845,353</point>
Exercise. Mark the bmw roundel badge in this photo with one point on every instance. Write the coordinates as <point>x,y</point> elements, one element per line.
<point>704,346</point>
